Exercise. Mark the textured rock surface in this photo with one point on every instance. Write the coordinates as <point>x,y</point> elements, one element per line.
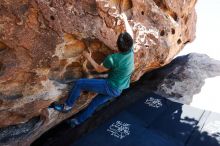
<point>183,77</point>
<point>41,42</point>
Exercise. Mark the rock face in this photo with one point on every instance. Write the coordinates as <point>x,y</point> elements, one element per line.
<point>41,44</point>
<point>183,77</point>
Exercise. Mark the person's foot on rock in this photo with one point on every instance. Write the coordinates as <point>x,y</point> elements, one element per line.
<point>64,108</point>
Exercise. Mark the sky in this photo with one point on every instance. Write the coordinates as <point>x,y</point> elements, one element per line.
<point>207,42</point>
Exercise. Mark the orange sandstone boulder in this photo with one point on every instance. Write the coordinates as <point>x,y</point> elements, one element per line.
<point>41,45</point>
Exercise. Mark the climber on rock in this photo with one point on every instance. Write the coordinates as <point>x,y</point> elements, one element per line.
<point>119,67</point>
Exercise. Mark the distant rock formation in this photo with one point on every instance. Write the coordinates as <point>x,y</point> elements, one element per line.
<point>183,77</point>
<point>41,44</point>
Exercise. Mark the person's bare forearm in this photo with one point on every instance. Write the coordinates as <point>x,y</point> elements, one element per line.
<point>128,29</point>
<point>97,67</point>
<point>127,26</point>
<point>93,63</point>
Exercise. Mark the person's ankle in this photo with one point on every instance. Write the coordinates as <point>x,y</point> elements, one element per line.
<point>67,104</point>
<point>67,107</point>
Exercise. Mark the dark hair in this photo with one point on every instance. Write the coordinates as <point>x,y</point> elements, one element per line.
<point>124,42</point>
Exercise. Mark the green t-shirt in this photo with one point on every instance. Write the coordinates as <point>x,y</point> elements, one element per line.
<point>121,66</point>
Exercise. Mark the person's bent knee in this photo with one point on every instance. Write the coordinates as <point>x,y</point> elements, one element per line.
<point>79,82</point>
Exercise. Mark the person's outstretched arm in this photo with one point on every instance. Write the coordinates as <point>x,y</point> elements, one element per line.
<point>127,25</point>
<point>98,68</point>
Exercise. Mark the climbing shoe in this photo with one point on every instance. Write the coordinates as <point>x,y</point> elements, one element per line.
<point>64,108</point>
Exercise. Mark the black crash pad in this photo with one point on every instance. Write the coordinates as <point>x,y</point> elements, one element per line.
<point>156,121</point>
